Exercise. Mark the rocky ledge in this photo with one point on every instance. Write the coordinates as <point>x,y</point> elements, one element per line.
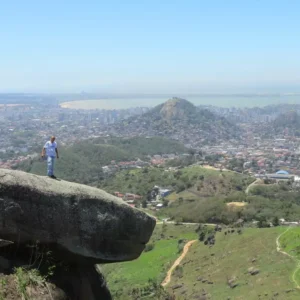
<point>80,225</point>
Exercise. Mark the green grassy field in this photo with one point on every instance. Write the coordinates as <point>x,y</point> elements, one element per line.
<point>151,265</point>
<point>290,243</point>
<point>230,258</point>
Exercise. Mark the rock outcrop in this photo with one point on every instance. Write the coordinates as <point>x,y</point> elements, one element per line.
<point>80,226</point>
<point>78,221</point>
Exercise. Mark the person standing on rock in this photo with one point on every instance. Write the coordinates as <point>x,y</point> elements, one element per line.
<point>50,150</point>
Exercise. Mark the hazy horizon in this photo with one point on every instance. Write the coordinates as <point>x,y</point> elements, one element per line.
<point>221,101</point>
<point>123,101</point>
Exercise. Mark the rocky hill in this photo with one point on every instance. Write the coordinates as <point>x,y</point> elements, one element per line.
<point>55,232</point>
<point>179,119</point>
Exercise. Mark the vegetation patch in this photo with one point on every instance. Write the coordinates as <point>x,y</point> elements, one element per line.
<point>151,266</point>
<point>91,155</point>
<point>26,284</point>
<point>238,266</point>
<point>289,242</point>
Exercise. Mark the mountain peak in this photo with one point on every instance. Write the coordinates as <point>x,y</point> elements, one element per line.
<point>179,101</point>
<point>181,120</point>
<point>176,108</point>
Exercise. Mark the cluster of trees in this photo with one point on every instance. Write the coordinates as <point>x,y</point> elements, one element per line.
<point>199,180</point>
<point>7,155</point>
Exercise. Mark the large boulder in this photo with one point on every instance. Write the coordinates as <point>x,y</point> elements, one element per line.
<point>80,223</point>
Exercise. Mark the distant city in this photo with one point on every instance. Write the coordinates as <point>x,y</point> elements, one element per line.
<point>26,125</point>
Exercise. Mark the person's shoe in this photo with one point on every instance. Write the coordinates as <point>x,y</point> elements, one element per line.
<point>52,176</point>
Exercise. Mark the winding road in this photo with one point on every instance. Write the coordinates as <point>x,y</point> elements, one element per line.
<point>292,257</point>
<point>177,262</point>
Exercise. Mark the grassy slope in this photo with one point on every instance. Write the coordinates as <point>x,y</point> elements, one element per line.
<point>290,243</point>
<point>231,257</point>
<point>145,146</point>
<point>82,161</point>
<point>150,265</point>
<point>184,195</point>
<point>210,182</point>
<point>137,181</point>
<point>70,166</point>
<point>207,182</point>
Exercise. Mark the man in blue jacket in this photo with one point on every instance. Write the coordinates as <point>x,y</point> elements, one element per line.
<point>50,150</point>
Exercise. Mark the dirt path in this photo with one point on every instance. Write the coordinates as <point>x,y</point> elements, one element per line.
<point>177,262</point>
<point>292,257</point>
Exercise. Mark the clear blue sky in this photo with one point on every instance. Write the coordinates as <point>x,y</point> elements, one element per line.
<point>150,46</point>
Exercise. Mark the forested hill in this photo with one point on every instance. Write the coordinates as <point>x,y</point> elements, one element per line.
<point>83,161</point>
<point>179,119</point>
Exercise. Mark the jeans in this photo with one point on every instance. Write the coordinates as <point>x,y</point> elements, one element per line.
<point>50,165</point>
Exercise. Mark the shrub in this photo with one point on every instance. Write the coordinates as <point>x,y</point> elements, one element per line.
<point>178,272</point>
<point>276,221</point>
<point>202,236</point>
<point>180,188</point>
<point>25,278</point>
<point>180,245</point>
<point>149,247</point>
<point>165,202</point>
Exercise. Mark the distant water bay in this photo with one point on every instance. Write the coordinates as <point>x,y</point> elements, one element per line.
<point>220,100</point>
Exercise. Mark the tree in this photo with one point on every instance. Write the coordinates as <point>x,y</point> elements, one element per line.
<point>263,223</point>
<point>192,151</point>
<point>201,236</point>
<point>180,188</point>
<point>144,204</point>
<point>201,177</point>
<point>149,195</point>
<point>275,221</point>
<point>165,202</point>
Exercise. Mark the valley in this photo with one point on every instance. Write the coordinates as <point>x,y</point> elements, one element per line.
<point>221,207</point>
